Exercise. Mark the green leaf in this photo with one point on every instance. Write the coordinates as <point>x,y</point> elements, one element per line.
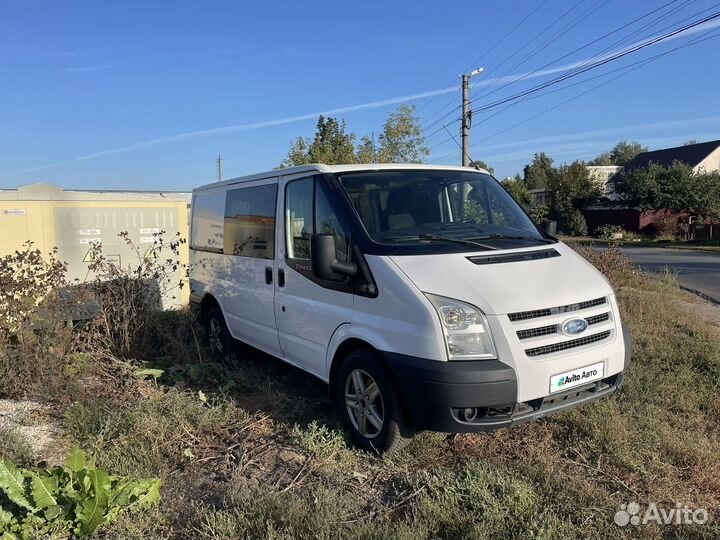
<point>145,373</point>
<point>92,514</point>
<point>148,492</point>
<point>12,483</point>
<point>75,462</point>
<point>44,489</point>
<point>54,512</point>
<point>100,482</point>
<point>202,396</point>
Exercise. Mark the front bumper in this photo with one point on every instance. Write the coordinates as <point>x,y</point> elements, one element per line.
<point>437,393</point>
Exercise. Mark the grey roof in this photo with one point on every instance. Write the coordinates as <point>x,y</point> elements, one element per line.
<point>692,154</point>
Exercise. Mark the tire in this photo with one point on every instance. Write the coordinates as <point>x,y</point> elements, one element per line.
<point>218,336</point>
<point>374,415</point>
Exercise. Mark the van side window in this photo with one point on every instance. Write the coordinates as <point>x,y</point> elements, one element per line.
<point>303,219</point>
<point>250,222</point>
<point>208,209</point>
<point>298,218</point>
<point>326,222</point>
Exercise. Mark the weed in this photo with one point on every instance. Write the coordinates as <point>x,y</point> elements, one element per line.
<point>76,498</point>
<point>15,447</point>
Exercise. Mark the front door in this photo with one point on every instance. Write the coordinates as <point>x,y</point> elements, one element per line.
<point>308,310</point>
<point>250,264</point>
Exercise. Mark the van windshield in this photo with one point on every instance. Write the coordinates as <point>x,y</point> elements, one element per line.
<point>422,206</point>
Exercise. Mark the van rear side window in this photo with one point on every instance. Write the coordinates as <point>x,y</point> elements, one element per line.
<point>208,209</point>
<point>250,222</point>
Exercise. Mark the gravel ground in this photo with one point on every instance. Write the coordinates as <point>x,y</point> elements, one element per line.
<point>33,422</point>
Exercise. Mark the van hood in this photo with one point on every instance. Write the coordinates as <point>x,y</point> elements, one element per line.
<point>507,284</point>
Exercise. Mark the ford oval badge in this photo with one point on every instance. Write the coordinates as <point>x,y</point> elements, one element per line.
<point>573,327</point>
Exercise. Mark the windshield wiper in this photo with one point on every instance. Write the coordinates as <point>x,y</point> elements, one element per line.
<point>437,238</point>
<point>511,237</point>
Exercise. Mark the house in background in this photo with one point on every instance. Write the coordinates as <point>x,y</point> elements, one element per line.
<point>601,174</point>
<point>539,196</point>
<point>613,211</point>
<point>701,157</point>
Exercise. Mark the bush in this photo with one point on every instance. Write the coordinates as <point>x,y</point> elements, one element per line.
<point>609,232</point>
<point>573,223</point>
<point>129,297</point>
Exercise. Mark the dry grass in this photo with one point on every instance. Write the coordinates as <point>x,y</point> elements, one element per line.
<point>263,455</point>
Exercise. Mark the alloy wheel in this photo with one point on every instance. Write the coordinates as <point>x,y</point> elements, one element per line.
<point>364,403</point>
<point>215,336</point>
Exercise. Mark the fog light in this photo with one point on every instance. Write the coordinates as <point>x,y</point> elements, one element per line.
<point>469,414</point>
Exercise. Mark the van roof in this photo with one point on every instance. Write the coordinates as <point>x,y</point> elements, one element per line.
<point>321,167</point>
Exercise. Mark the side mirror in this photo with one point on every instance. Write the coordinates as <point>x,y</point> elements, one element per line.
<point>324,263</point>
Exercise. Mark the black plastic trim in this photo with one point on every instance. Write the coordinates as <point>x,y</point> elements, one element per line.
<point>627,338</point>
<point>429,388</point>
<point>514,257</point>
<point>432,391</point>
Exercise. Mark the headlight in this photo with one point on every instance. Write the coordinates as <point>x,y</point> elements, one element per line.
<point>467,334</point>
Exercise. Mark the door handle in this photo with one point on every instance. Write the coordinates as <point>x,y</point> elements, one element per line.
<point>268,275</point>
<point>281,277</point>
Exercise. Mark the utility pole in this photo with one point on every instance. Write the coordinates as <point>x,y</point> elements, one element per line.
<point>466,116</point>
<point>219,168</point>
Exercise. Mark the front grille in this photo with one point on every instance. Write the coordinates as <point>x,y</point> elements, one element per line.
<point>534,314</point>
<point>565,345</point>
<point>537,332</point>
<point>554,328</point>
<point>597,318</point>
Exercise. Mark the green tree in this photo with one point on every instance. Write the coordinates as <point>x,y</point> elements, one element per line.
<point>674,187</point>
<point>572,190</point>
<point>331,145</point>
<point>480,164</point>
<point>603,159</point>
<point>621,154</point>
<point>518,190</point>
<point>538,173</point>
<point>299,153</point>
<point>366,151</point>
<point>402,139</point>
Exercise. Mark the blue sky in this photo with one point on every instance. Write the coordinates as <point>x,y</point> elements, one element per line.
<point>146,94</point>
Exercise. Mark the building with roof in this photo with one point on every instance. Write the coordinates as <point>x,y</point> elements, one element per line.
<point>74,220</point>
<point>702,157</point>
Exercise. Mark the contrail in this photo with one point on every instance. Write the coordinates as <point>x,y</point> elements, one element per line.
<point>340,110</point>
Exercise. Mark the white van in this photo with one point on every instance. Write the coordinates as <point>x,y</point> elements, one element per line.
<point>424,296</point>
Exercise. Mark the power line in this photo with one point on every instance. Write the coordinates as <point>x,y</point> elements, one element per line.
<point>601,62</point>
<point>584,15</point>
<point>572,24</point>
<point>471,47</point>
<point>495,45</point>
<point>626,70</point>
<point>485,93</point>
<point>578,49</point>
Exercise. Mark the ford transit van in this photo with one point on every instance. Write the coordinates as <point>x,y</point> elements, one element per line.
<point>424,296</point>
